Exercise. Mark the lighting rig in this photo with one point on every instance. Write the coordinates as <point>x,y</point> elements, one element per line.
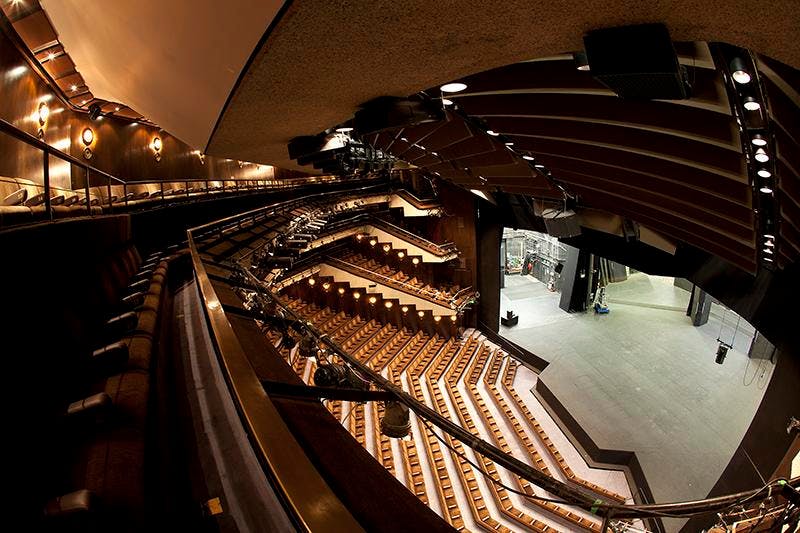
<point>749,106</point>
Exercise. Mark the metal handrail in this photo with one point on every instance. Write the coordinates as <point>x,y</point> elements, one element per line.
<point>311,500</point>
<point>441,249</point>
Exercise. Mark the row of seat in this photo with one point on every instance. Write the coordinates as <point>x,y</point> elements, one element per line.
<point>22,200</point>
<point>105,472</point>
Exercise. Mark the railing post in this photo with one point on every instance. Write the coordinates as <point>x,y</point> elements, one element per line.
<point>86,187</point>
<point>162,190</point>
<point>46,175</point>
<point>108,188</point>
<point>125,193</point>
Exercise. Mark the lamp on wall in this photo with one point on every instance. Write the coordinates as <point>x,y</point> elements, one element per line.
<point>44,113</point>
<point>156,146</point>
<point>87,136</point>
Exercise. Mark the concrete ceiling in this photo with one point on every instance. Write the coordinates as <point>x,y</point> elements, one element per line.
<point>325,58</point>
<point>175,62</point>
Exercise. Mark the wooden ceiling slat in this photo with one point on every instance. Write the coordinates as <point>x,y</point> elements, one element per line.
<point>782,110</point>
<point>638,162</point>
<point>656,115</point>
<point>448,133</point>
<point>518,129</point>
<point>737,207</point>
<point>692,208</point>
<point>59,67</point>
<point>35,30</point>
<point>488,159</point>
<point>467,148</point>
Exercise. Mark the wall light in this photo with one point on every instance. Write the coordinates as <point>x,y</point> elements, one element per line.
<point>437,318</point>
<point>326,286</point>
<point>312,281</point>
<point>388,305</point>
<point>400,255</point>
<point>421,314</point>
<point>527,157</point>
<point>356,295</point>
<point>372,300</point>
<point>386,248</point>
<point>453,87</point>
<point>340,290</point>
<point>404,309</point>
<point>87,136</point>
<point>44,113</point>
<point>453,318</point>
<point>156,145</point>
<point>373,242</point>
<point>415,260</point>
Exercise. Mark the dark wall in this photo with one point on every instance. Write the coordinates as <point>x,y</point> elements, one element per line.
<point>489,231</point>
<point>120,147</point>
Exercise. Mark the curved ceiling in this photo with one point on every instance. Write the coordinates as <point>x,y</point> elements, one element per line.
<point>175,62</point>
<point>324,59</point>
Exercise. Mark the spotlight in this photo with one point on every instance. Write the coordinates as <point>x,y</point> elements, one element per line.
<point>73,88</point>
<point>751,104</point>
<point>761,155</point>
<point>764,173</point>
<point>421,314</point>
<point>759,140</point>
<point>372,300</point>
<point>356,295</point>
<point>722,351</point>
<point>527,157</point>
<point>447,101</point>
<point>453,87</point>
<point>767,259</point>
<point>341,290</point>
<point>581,61</point>
<point>312,281</point>
<point>94,111</point>
<point>338,375</point>
<point>509,143</point>
<point>388,305</point>
<point>404,309</point>
<point>437,318</point>
<point>400,255</point>
<point>765,189</point>
<point>738,72</point>
<point>359,237</point>
<point>395,422</point>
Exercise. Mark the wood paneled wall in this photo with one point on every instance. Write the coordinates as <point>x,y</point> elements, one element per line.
<point>121,148</point>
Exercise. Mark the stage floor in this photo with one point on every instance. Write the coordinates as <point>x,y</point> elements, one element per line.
<point>642,378</point>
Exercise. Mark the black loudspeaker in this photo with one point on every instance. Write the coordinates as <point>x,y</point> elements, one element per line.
<point>558,268</point>
<point>637,62</point>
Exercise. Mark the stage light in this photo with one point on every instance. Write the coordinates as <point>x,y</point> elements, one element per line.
<point>453,87</point>
<point>767,259</point>
<point>581,61</point>
<point>94,111</point>
<point>769,243</point>
<point>768,251</point>
<point>751,104</point>
<point>768,236</point>
<point>308,346</point>
<point>738,72</point>
<point>722,351</point>
<point>344,130</point>
<point>764,173</point>
<point>395,422</point>
<point>758,140</point>
<point>761,155</point>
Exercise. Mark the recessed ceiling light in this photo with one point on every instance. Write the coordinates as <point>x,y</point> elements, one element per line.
<point>447,101</point>
<point>539,165</point>
<point>766,190</point>
<point>74,88</point>
<point>764,173</point>
<point>768,236</point>
<point>751,104</point>
<point>344,129</point>
<point>51,56</point>
<point>527,157</point>
<point>116,108</point>
<point>758,140</point>
<point>761,155</point>
<point>768,251</point>
<point>453,87</point>
<point>492,133</point>
<point>738,72</point>
<point>509,143</point>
